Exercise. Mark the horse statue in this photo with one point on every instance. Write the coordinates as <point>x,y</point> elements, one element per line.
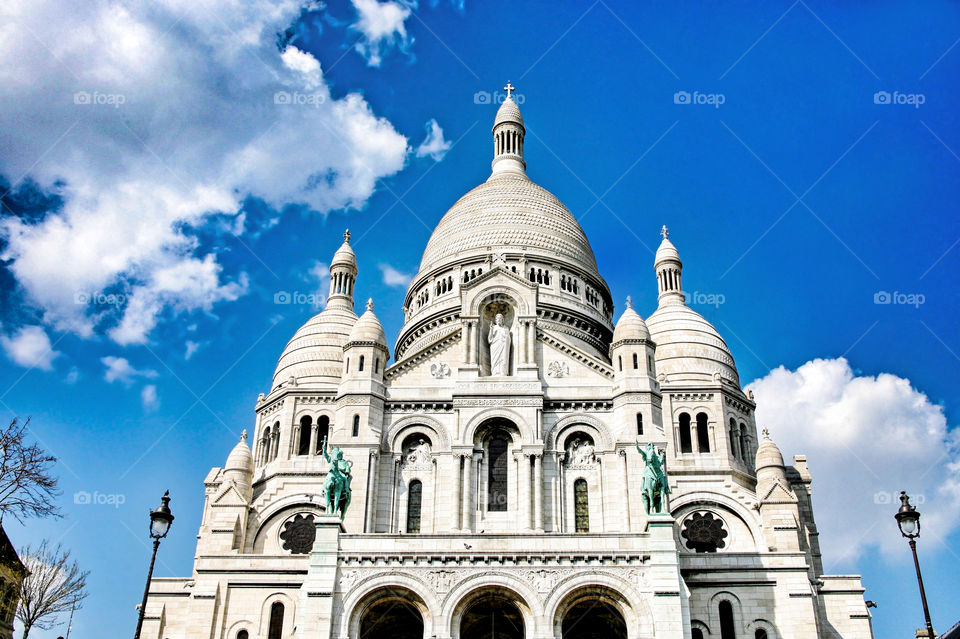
<point>336,487</point>
<point>655,488</point>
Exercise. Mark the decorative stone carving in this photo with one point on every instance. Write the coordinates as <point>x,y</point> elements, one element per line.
<point>299,534</point>
<point>440,370</point>
<point>543,580</point>
<point>558,368</point>
<point>441,580</point>
<point>499,339</point>
<point>418,455</point>
<point>348,578</point>
<point>580,453</point>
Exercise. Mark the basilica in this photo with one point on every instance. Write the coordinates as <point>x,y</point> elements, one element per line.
<point>528,463</point>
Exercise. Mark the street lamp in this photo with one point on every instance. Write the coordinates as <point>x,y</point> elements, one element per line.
<point>908,520</point>
<point>160,520</point>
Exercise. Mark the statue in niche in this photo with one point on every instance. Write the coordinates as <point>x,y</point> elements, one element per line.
<point>418,454</point>
<point>580,452</point>
<point>499,339</point>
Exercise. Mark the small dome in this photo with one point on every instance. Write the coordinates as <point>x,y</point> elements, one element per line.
<point>768,455</point>
<point>689,347</point>
<point>344,255</point>
<point>667,251</point>
<point>314,355</point>
<point>508,112</point>
<point>630,326</point>
<point>240,458</point>
<point>368,328</point>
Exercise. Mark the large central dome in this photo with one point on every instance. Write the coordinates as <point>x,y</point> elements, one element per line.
<point>508,211</point>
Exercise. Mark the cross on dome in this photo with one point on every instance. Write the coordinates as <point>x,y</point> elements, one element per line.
<point>509,88</point>
<point>629,302</point>
<point>346,236</point>
<point>370,304</point>
<point>665,232</point>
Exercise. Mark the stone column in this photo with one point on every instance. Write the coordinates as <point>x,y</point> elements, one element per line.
<point>467,492</point>
<point>373,480</point>
<point>315,612</point>
<point>314,430</point>
<point>393,496</point>
<point>538,492</point>
<point>626,487</point>
<point>526,508</point>
<point>457,519</point>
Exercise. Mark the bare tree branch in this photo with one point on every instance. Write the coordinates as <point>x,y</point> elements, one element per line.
<point>53,586</point>
<point>27,486</point>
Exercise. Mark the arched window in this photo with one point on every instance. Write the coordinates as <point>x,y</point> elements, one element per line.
<point>275,630</point>
<point>734,439</point>
<point>703,433</point>
<point>360,365</point>
<point>243,634</point>
<point>635,364</point>
<point>497,474</point>
<point>686,446</point>
<point>323,431</point>
<point>639,423</point>
<point>727,629</point>
<point>760,634</point>
<point>650,366</point>
<point>744,449</point>
<point>356,425</point>
<point>348,364</point>
<point>581,506</point>
<point>265,446</point>
<point>414,501</point>
<point>376,365</point>
<point>303,443</point>
<point>620,361</point>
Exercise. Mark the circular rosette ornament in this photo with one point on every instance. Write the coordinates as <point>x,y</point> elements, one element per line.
<point>298,534</point>
<point>703,532</point>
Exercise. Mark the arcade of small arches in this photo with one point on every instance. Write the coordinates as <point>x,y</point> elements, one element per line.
<point>306,440</point>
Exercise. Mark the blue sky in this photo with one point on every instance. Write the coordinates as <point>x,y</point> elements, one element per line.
<point>159,195</point>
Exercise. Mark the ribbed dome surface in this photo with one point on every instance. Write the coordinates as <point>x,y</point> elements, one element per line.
<point>368,328</point>
<point>240,457</point>
<point>630,326</point>
<point>667,251</point>
<point>508,112</point>
<point>508,211</point>
<point>314,355</point>
<point>688,346</point>
<point>768,454</point>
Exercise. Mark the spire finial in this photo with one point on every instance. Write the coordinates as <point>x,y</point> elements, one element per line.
<point>665,232</point>
<point>370,304</point>
<point>766,433</point>
<point>509,89</point>
<point>629,302</point>
<point>243,435</point>
<point>346,236</point>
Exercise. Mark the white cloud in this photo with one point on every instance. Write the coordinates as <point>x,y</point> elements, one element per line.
<point>120,370</point>
<point>866,439</point>
<point>320,272</point>
<point>191,349</point>
<point>30,347</point>
<point>72,375</point>
<point>147,129</point>
<point>381,27</point>
<point>149,397</point>
<point>433,145</point>
<point>393,277</point>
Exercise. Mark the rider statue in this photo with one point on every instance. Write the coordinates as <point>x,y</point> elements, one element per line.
<point>336,487</point>
<point>655,488</point>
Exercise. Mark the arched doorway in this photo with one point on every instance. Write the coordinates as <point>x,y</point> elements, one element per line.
<point>392,613</point>
<point>492,615</point>
<point>593,612</point>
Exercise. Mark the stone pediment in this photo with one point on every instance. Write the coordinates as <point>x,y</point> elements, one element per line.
<point>433,363</point>
<point>777,494</point>
<point>229,496</point>
<point>498,269</point>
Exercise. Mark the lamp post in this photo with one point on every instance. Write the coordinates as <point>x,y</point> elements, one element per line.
<point>908,520</point>
<point>160,520</point>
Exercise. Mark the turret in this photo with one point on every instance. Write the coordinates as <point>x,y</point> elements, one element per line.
<point>365,353</point>
<point>508,133</point>
<point>632,351</point>
<point>668,267</point>
<point>343,275</point>
<point>239,466</point>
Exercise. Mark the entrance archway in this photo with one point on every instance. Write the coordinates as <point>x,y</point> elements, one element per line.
<point>492,615</point>
<point>392,613</point>
<point>593,612</point>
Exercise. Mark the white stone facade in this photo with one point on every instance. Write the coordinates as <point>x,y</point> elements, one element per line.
<point>512,498</point>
